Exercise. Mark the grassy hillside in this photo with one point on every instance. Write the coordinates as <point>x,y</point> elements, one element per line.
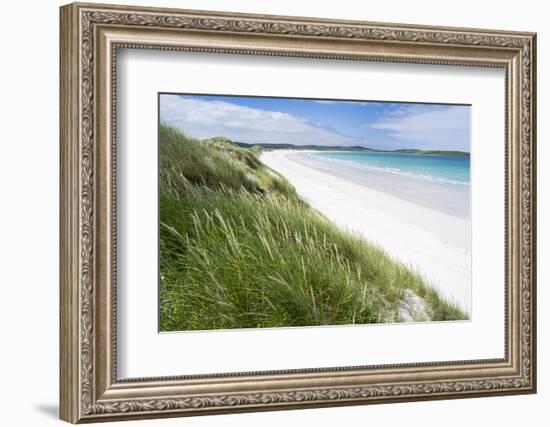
<point>239,249</point>
<point>305,147</point>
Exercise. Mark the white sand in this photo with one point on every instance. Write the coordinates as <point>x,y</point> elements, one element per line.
<point>431,241</point>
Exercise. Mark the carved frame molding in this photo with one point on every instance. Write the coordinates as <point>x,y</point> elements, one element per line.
<point>90,390</point>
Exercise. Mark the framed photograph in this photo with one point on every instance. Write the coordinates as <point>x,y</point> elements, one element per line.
<point>266,212</point>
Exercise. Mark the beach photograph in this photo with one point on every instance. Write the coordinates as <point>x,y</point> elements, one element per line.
<point>291,212</point>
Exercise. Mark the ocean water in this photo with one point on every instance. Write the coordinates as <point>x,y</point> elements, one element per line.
<point>436,167</point>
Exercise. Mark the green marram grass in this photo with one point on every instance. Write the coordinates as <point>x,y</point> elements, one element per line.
<point>240,249</point>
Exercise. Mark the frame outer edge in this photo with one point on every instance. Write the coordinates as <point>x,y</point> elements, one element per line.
<point>69,354</point>
<point>305,19</point>
<point>78,403</point>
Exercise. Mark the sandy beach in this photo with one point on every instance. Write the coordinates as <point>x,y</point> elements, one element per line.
<point>423,223</point>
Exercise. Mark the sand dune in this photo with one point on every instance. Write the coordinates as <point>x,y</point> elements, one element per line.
<point>423,224</point>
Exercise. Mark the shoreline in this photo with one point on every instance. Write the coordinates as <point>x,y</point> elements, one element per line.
<point>452,199</point>
<point>419,228</point>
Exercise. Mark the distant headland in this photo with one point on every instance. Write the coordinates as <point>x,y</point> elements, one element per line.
<point>350,148</point>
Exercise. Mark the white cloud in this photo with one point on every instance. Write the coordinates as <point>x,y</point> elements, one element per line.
<point>205,119</point>
<point>428,127</point>
<point>328,101</point>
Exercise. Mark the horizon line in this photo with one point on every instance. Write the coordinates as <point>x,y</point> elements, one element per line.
<point>345,146</point>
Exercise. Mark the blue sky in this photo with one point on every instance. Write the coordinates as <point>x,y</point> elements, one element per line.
<point>321,122</point>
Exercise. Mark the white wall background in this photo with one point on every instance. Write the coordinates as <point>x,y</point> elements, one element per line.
<point>29,170</point>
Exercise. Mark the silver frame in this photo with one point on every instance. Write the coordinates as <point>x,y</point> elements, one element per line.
<point>90,37</point>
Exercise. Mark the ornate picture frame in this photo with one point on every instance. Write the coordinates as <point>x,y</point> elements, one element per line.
<point>91,34</point>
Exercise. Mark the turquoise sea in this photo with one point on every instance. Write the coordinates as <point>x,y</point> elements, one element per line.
<point>437,167</point>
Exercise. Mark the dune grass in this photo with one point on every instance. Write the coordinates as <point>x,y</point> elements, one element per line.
<point>240,249</point>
